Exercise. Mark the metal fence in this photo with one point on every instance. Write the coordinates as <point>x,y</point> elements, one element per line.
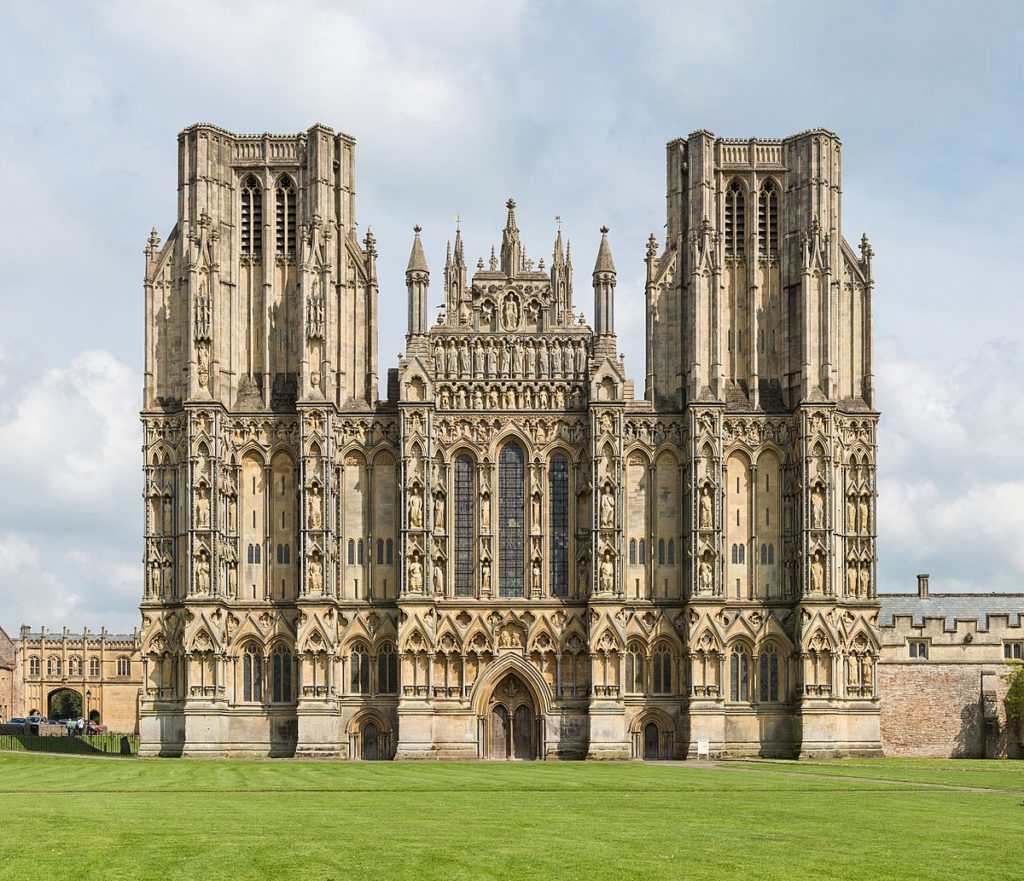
<point>87,744</point>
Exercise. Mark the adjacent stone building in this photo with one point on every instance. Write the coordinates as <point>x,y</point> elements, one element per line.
<point>512,555</point>
<point>9,695</point>
<point>941,672</point>
<point>103,669</point>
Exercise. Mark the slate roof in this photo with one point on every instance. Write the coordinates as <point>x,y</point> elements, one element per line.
<point>952,606</point>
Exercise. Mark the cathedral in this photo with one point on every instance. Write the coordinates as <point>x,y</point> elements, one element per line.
<point>513,556</point>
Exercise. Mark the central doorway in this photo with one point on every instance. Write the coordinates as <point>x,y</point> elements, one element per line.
<point>512,721</point>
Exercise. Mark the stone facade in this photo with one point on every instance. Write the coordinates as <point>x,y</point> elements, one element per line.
<point>941,673</point>
<point>105,669</point>
<point>512,555</point>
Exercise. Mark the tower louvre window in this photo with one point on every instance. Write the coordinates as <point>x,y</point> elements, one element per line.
<point>285,216</point>
<point>735,220</point>
<point>252,217</point>
<point>768,220</point>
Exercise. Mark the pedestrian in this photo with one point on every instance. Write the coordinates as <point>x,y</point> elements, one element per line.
<point>80,725</point>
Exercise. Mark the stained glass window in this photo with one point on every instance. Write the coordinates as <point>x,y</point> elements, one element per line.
<point>463,526</point>
<point>511,551</point>
<point>558,499</point>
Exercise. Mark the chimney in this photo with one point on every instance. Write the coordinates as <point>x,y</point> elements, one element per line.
<point>922,586</point>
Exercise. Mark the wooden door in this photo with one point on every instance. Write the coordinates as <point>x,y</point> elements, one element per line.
<point>522,729</point>
<point>370,737</point>
<point>499,733</point>
<point>652,748</point>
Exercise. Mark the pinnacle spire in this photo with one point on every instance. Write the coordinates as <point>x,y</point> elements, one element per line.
<point>417,259</point>
<point>604,254</point>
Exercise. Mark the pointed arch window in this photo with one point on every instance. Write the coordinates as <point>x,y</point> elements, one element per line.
<point>768,220</point>
<point>558,523</point>
<point>387,669</point>
<point>511,512</point>
<point>769,673</point>
<point>463,526</point>
<point>252,674</point>
<point>671,552</point>
<point>661,552</point>
<point>282,675</point>
<point>735,220</point>
<point>635,670</point>
<point>739,674</point>
<point>632,552</point>
<point>252,217</point>
<point>284,197</point>
<point>360,664</point>
<point>643,552</point>
<point>661,670</point>
<point>351,552</point>
<point>390,551</point>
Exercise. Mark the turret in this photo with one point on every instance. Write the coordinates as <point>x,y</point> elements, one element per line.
<point>561,281</point>
<point>417,279</point>
<point>454,278</point>
<point>604,288</point>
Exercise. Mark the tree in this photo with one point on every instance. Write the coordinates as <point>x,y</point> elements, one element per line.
<point>1014,700</point>
<point>65,704</point>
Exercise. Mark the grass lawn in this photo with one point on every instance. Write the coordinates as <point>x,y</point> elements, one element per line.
<point>140,819</point>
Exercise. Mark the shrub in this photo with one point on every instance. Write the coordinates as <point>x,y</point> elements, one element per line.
<point>1015,694</point>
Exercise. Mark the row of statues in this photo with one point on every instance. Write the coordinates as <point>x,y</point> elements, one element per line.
<point>510,397</point>
<point>513,359</point>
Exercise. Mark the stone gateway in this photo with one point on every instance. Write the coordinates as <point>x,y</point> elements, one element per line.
<point>512,556</point>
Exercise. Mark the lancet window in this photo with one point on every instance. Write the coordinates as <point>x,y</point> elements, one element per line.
<point>768,220</point>
<point>511,521</point>
<point>281,662</point>
<point>252,674</point>
<point>463,526</point>
<point>558,523</point>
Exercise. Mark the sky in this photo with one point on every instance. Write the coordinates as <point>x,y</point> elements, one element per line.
<point>566,106</point>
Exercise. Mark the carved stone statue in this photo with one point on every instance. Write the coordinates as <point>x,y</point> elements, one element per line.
<point>817,574</point>
<point>705,575</point>
<point>415,575</point>
<point>607,580</point>
<point>316,574</point>
<point>438,578</point>
<point>817,508</point>
<point>607,508</point>
<point>415,510</point>
<point>485,576</point>
<point>485,513</point>
<point>705,508</point>
<point>511,314</point>
<point>203,507</point>
<point>865,525</point>
<point>865,581</point>
<point>315,510</point>
<point>851,514</point>
<point>535,575</point>
<point>535,512</point>
<point>203,573</point>
<point>439,514</point>
<point>851,580</point>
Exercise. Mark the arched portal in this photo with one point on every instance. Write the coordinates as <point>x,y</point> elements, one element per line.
<point>370,737</point>
<point>511,721</point>
<point>64,703</point>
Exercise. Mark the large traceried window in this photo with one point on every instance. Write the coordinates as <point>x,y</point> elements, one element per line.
<point>252,674</point>
<point>387,669</point>
<point>768,220</point>
<point>735,220</point>
<point>511,515</point>
<point>558,516</point>
<point>281,663</point>
<point>285,216</point>
<point>463,514</point>
<point>252,217</point>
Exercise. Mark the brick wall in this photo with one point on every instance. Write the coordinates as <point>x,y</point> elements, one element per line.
<point>934,709</point>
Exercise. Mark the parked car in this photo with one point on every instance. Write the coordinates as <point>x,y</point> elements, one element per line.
<point>93,728</point>
<point>17,720</point>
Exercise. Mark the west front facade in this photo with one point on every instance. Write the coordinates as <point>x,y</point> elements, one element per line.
<point>514,555</point>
